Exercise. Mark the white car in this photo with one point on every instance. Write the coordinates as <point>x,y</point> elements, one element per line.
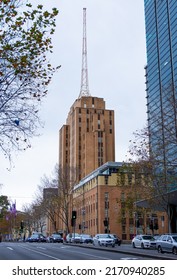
<point>104,240</point>
<point>142,241</point>
<point>73,238</point>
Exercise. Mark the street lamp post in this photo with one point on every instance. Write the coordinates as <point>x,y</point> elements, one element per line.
<point>136,222</point>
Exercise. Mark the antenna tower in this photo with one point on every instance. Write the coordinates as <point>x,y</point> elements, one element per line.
<point>84,72</point>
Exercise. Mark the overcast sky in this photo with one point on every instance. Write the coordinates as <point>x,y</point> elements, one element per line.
<point>116,59</point>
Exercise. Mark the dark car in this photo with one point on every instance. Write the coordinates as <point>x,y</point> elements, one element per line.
<point>37,237</point>
<point>86,238</point>
<point>117,240</point>
<point>55,238</point>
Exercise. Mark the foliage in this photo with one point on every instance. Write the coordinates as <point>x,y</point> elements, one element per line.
<point>66,183</point>
<point>161,170</point>
<point>25,71</point>
<point>46,203</point>
<point>54,198</point>
<point>4,203</point>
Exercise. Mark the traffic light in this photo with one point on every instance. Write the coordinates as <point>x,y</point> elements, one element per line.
<point>151,225</point>
<point>21,225</point>
<point>137,223</point>
<point>156,226</point>
<point>74,215</point>
<point>73,222</point>
<point>105,223</point>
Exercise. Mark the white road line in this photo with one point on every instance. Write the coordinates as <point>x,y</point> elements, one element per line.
<point>40,253</point>
<point>10,248</point>
<point>90,255</point>
<point>41,248</point>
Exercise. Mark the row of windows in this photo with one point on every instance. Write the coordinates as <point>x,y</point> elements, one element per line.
<point>96,111</point>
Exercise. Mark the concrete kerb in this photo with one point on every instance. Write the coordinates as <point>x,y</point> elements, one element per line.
<point>118,249</point>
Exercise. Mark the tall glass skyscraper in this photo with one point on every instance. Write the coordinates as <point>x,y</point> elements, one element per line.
<point>161,78</point>
<point>161,86</point>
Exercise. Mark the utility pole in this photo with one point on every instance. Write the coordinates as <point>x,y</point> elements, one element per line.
<point>84,91</point>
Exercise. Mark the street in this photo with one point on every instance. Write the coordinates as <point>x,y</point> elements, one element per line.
<point>55,251</point>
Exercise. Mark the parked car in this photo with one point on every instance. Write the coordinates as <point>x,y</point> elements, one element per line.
<point>142,241</point>
<point>117,240</point>
<point>55,238</point>
<point>37,237</point>
<point>73,238</point>
<point>167,243</point>
<point>103,239</point>
<point>86,238</point>
<point>153,241</point>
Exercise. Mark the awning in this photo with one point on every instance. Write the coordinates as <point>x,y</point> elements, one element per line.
<point>171,197</point>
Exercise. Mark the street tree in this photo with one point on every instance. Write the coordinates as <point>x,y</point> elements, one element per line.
<point>27,218</point>
<point>25,70</point>
<point>161,170</point>
<point>46,204</point>
<point>67,178</point>
<point>4,205</point>
<point>55,197</point>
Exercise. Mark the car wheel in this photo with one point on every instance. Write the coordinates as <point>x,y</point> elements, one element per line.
<point>175,251</point>
<point>99,243</point>
<point>142,245</point>
<point>113,245</point>
<point>133,245</point>
<point>159,249</point>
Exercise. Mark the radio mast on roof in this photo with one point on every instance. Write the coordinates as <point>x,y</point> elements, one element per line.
<point>84,72</point>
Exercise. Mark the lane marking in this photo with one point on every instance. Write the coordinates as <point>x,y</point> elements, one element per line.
<point>95,257</point>
<point>41,248</point>
<point>40,253</point>
<point>10,248</point>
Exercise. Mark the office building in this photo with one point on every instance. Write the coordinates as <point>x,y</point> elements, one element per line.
<point>161,87</point>
<point>88,139</point>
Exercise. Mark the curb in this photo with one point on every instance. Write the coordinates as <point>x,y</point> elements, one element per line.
<point>142,254</point>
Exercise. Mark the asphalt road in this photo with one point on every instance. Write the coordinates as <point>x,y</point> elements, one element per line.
<point>55,251</point>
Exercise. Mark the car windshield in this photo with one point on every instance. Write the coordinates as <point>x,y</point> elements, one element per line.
<point>85,235</point>
<point>105,236</point>
<point>113,236</point>
<point>35,236</point>
<point>147,237</point>
<point>175,238</point>
<point>155,237</point>
<point>56,235</point>
<point>75,234</point>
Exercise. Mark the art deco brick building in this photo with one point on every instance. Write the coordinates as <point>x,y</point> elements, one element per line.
<point>88,139</point>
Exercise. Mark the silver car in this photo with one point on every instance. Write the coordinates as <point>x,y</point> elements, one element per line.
<point>167,243</point>
<point>103,240</point>
<point>73,238</point>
